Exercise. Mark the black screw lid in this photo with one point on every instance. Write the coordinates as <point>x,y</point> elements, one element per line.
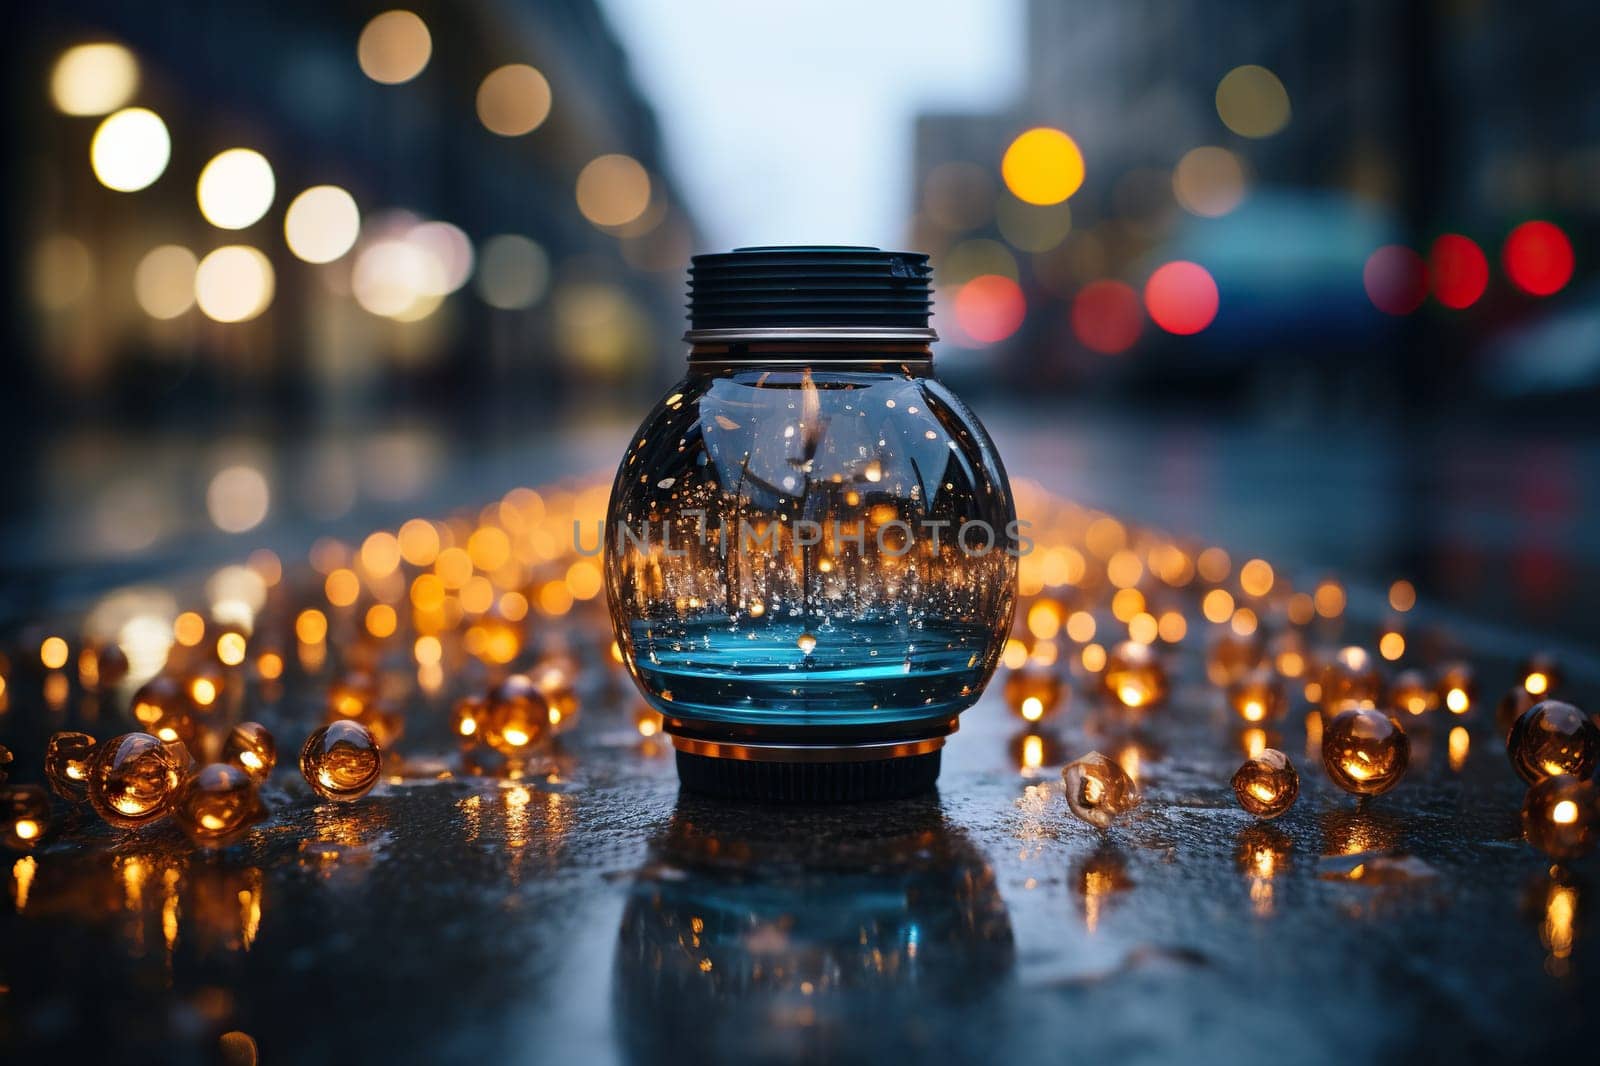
<point>806,288</point>
<point>809,782</point>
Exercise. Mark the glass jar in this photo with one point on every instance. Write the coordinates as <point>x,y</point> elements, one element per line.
<point>811,544</point>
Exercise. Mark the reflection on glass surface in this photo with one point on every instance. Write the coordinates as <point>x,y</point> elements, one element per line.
<point>783,934</point>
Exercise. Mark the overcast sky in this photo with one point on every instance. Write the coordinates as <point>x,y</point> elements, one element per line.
<point>792,122</point>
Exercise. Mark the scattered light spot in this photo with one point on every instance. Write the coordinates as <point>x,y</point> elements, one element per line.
<point>322,224</point>
<point>1538,258</point>
<point>394,47</point>
<point>1396,279</point>
<point>990,308</point>
<point>513,272</point>
<point>1252,102</point>
<point>236,188</point>
<point>613,190</point>
<point>1042,166</point>
<point>1106,317</point>
<point>163,282</point>
<point>130,150</point>
<point>93,79</point>
<point>237,499</point>
<point>1209,181</point>
<point>513,100</point>
<point>234,283</point>
<point>1181,297</point>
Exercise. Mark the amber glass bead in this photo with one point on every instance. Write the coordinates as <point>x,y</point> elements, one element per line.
<point>468,717</point>
<point>1258,696</point>
<point>1231,656</point>
<point>252,749</point>
<point>110,666</point>
<point>518,718</point>
<point>341,761</point>
<point>1457,688</point>
<point>1513,705</point>
<point>134,778</point>
<point>1412,693</point>
<point>24,815</point>
<point>1351,679</point>
<point>1098,789</point>
<point>217,805</point>
<point>66,765</point>
<point>6,759</point>
<point>1033,692</point>
<point>1365,751</point>
<point>1134,675</point>
<point>1553,737</point>
<point>352,694</point>
<point>1561,816</point>
<point>554,680</point>
<point>1267,784</point>
<point>162,707</point>
<point>1541,675</point>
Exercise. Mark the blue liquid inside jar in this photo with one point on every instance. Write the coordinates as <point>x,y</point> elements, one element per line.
<point>811,557</point>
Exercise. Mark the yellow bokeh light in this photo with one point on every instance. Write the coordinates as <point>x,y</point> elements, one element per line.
<point>234,283</point>
<point>130,150</point>
<point>398,280</point>
<point>311,626</point>
<point>231,648</point>
<point>163,282</point>
<point>53,653</point>
<point>189,629</point>
<point>236,188</point>
<point>1209,181</point>
<point>1256,577</point>
<point>1043,166</point>
<point>613,190</point>
<point>342,587</point>
<point>381,620</point>
<point>1252,102</point>
<point>322,224</point>
<point>93,79</point>
<point>513,100</point>
<point>1392,646</point>
<point>394,47</point>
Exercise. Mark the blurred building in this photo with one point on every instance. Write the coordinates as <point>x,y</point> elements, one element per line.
<point>520,234</point>
<point>1280,147</point>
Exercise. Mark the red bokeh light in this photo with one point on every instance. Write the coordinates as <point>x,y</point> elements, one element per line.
<point>1538,258</point>
<point>1458,270</point>
<point>1181,297</point>
<point>1396,279</point>
<point>990,308</point>
<point>1106,316</point>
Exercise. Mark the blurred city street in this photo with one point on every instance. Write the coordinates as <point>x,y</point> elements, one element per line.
<point>328,324</point>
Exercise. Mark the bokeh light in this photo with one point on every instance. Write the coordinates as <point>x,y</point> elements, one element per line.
<point>399,280</point>
<point>1396,279</point>
<point>234,283</point>
<point>1042,166</point>
<point>61,272</point>
<point>613,190</point>
<point>1106,316</point>
<point>990,308</point>
<point>1457,270</point>
<point>450,248</point>
<point>974,257</point>
<point>130,150</point>
<point>1538,258</point>
<point>1252,102</point>
<point>163,282</point>
<point>1209,181</point>
<point>394,47</point>
<point>93,79</point>
<point>1181,297</point>
<point>513,100</point>
<point>322,224</point>
<point>236,188</point>
<point>1032,227</point>
<point>513,272</point>
<point>238,499</point>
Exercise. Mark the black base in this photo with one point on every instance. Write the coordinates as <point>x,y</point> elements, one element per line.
<point>809,782</point>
